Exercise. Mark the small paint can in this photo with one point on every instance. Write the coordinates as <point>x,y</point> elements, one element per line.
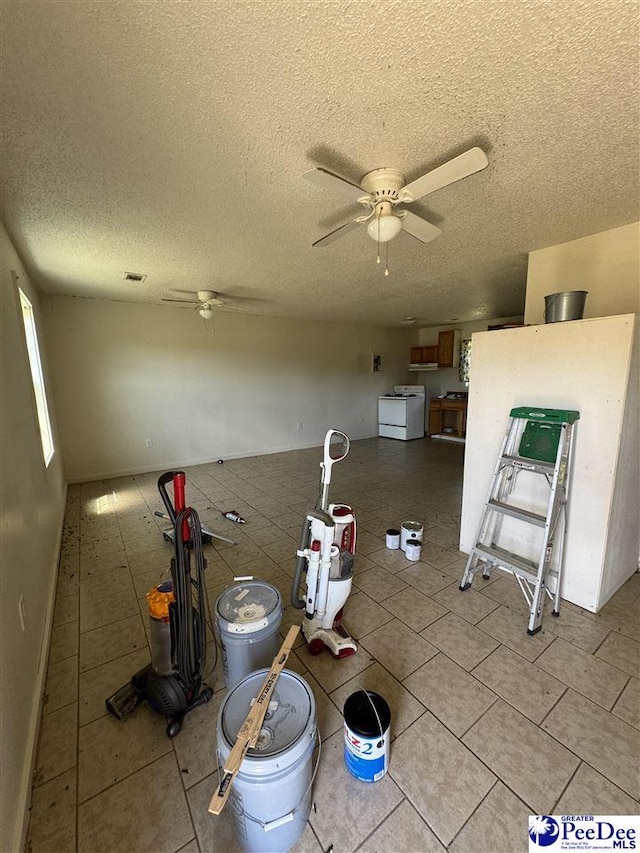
<point>410,530</point>
<point>413,549</point>
<point>367,719</point>
<point>393,539</point>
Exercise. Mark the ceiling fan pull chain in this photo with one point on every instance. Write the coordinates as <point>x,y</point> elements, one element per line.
<point>386,259</point>
<point>377,215</point>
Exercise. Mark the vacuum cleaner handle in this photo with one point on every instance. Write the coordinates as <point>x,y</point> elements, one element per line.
<point>163,479</point>
<point>336,447</point>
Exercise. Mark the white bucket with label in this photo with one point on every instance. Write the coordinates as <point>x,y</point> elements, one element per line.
<point>367,719</point>
<point>270,797</point>
<point>248,618</point>
<point>410,530</point>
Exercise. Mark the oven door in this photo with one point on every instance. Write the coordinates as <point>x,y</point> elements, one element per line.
<point>392,411</point>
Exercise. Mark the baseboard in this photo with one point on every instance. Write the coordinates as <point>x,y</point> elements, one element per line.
<point>24,797</point>
<point>174,465</point>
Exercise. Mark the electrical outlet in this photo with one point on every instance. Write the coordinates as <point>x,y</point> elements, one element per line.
<point>22,611</point>
<point>298,426</point>
<point>148,442</point>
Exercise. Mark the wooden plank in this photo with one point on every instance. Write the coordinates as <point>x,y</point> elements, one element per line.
<point>249,731</point>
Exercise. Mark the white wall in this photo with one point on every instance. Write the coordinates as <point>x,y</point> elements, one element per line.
<point>33,499</point>
<point>584,365</point>
<point>234,386</point>
<point>607,265</point>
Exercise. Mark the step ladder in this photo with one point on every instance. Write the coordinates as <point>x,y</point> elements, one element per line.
<point>537,441</point>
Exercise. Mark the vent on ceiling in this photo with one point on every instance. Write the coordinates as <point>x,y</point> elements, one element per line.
<point>134,276</point>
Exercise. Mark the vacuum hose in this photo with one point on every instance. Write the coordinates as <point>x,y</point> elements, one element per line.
<point>188,619</point>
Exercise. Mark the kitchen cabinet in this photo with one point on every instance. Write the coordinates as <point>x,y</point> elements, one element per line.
<point>446,353</point>
<point>449,347</point>
<point>424,355</point>
<point>448,417</point>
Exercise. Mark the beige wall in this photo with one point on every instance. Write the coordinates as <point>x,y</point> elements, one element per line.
<point>607,265</point>
<point>32,511</point>
<point>235,386</point>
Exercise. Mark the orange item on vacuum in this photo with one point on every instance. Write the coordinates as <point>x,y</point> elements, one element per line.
<point>159,598</point>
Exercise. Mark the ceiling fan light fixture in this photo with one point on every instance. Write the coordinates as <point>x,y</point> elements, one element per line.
<point>205,312</point>
<point>384,225</point>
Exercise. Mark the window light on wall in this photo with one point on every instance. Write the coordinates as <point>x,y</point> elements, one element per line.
<point>31,336</point>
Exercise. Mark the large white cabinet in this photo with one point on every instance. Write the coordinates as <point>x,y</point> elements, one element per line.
<point>591,366</point>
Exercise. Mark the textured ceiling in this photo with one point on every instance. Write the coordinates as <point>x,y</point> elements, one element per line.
<point>170,139</point>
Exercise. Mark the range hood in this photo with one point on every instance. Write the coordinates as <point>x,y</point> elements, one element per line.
<point>430,365</point>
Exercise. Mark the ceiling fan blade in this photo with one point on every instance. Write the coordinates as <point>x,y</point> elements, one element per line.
<point>328,180</point>
<point>418,227</point>
<point>473,160</point>
<point>183,301</point>
<point>334,235</point>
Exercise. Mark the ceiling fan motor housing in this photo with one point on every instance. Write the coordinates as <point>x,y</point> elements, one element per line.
<point>382,185</point>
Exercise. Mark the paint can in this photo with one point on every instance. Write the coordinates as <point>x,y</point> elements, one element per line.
<point>410,530</point>
<point>270,797</point>
<point>248,618</point>
<point>413,549</point>
<point>393,539</point>
<point>367,719</point>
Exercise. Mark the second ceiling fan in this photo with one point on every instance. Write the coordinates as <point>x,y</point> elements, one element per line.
<point>384,192</point>
<point>205,302</point>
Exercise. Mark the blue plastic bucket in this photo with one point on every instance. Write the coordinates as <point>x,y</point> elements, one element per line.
<point>367,719</point>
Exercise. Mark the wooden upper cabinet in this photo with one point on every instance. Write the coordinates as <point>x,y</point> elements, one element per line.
<point>424,355</point>
<point>449,348</point>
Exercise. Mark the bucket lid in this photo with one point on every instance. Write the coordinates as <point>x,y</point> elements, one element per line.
<point>362,717</point>
<point>283,725</point>
<point>248,602</point>
<point>411,525</point>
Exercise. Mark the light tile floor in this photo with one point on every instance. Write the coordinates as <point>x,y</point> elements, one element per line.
<point>489,725</point>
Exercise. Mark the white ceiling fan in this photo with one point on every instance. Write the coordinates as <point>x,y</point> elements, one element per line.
<point>384,192</point>
<point>205,302</point>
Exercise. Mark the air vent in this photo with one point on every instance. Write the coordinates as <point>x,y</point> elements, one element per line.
<point>134,276</point>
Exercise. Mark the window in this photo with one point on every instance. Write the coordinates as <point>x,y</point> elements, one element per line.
<point>31,336</point>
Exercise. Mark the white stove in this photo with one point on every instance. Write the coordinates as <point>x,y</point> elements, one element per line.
<point>401,413</point>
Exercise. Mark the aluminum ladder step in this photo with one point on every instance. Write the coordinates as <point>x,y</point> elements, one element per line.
<point>518,512</point>
<point>536,465</point>
<point>512,562</point>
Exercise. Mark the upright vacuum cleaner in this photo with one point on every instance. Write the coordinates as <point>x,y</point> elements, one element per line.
<point>172,682</point>
<point>325,558</point>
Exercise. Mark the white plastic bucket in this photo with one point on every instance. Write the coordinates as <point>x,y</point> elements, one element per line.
<point>270,797</point>
<point>410,530</point>
<point>248,618</point>
<point>568,305</point>
<point>367,719</point>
